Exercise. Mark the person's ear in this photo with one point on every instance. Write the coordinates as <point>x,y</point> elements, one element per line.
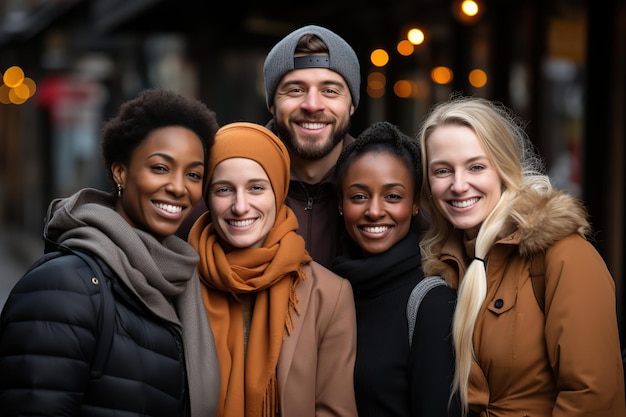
<point>118,172</point>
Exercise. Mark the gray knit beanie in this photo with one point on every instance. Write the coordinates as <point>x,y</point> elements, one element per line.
<point>341,59</point>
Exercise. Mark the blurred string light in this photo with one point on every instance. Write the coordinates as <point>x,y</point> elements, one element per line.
<point>376,82</point>
<point>411,89</point>
<point>466,11</point>
<point>16,88</point>
<point>477,78</point>
<point>469,8</point>
<point>404,89</point>
<point>405,48</point>
<point>379,57</point>
<point>441,75</point>
<point>415,36</point>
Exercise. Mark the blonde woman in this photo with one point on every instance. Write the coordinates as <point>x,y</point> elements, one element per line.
<point>492,209</point>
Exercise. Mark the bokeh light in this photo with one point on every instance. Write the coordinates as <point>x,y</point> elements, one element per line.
<point>468,11</point>
<point>30,83</point>
<point>16,88</point>
<point>4,94</point>
<point>477,78</point>
<point>379,57</point>
<point>15,99</point>
<point>13,76</point>
<point>416,36</point>
<point>376,82</point>
<point>441,75</point>
<point>22,91</point>
<point>403,88</point>
<point>469,8</point>
<point>405,48</point>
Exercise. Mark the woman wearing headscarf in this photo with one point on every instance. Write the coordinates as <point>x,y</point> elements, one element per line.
<point>284,326</point>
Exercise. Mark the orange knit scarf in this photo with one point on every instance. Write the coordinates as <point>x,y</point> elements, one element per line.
<point>248,380</point>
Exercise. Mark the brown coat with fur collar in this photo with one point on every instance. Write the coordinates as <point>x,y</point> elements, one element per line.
<point>567,363</point>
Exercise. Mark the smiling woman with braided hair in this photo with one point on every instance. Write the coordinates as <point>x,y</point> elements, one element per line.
<point>493,211</point>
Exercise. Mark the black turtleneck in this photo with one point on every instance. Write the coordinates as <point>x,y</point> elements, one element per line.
<point>391,380</point>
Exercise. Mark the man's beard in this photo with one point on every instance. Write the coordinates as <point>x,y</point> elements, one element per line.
<point>303,149</point>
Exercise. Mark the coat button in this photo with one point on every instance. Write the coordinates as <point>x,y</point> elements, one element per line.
<point>499,303</point>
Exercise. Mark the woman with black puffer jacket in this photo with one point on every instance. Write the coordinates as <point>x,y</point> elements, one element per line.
<point>160,359</point>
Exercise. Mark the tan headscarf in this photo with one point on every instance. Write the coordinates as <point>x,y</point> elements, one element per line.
<point>248,385</point>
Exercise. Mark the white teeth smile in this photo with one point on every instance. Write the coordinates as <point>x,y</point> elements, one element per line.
<point>313,125</point>
<point>169,208</point>
<point>463,204</point>
<point>377,229</point>
<point>241,223</point>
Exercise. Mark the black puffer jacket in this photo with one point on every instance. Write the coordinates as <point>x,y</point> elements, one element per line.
<point>51,319</point>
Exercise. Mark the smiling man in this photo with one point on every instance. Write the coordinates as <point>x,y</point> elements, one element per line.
<point>312,88</point>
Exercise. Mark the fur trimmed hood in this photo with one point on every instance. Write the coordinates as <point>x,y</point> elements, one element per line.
<point>537,221</point>
<point>545,218</point>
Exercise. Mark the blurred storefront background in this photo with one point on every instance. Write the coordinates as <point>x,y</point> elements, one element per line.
<point>560,64</point>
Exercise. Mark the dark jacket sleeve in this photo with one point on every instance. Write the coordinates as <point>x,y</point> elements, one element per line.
<point>432,356</point>
<point>48,331</point>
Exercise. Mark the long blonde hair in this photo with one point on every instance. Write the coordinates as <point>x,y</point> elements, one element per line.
<point>518,167</point>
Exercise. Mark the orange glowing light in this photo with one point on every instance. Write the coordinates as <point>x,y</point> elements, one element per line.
<point>379,57</point>
<point>441,75</point>
<point>13,76</point>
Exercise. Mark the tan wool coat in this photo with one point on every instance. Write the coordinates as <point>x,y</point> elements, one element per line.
<point>316,363</point>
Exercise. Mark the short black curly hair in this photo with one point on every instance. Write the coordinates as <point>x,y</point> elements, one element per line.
<point>382,137</point>
<point>152,109</point>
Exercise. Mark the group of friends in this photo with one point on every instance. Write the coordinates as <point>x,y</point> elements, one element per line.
<point>262,271</point>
